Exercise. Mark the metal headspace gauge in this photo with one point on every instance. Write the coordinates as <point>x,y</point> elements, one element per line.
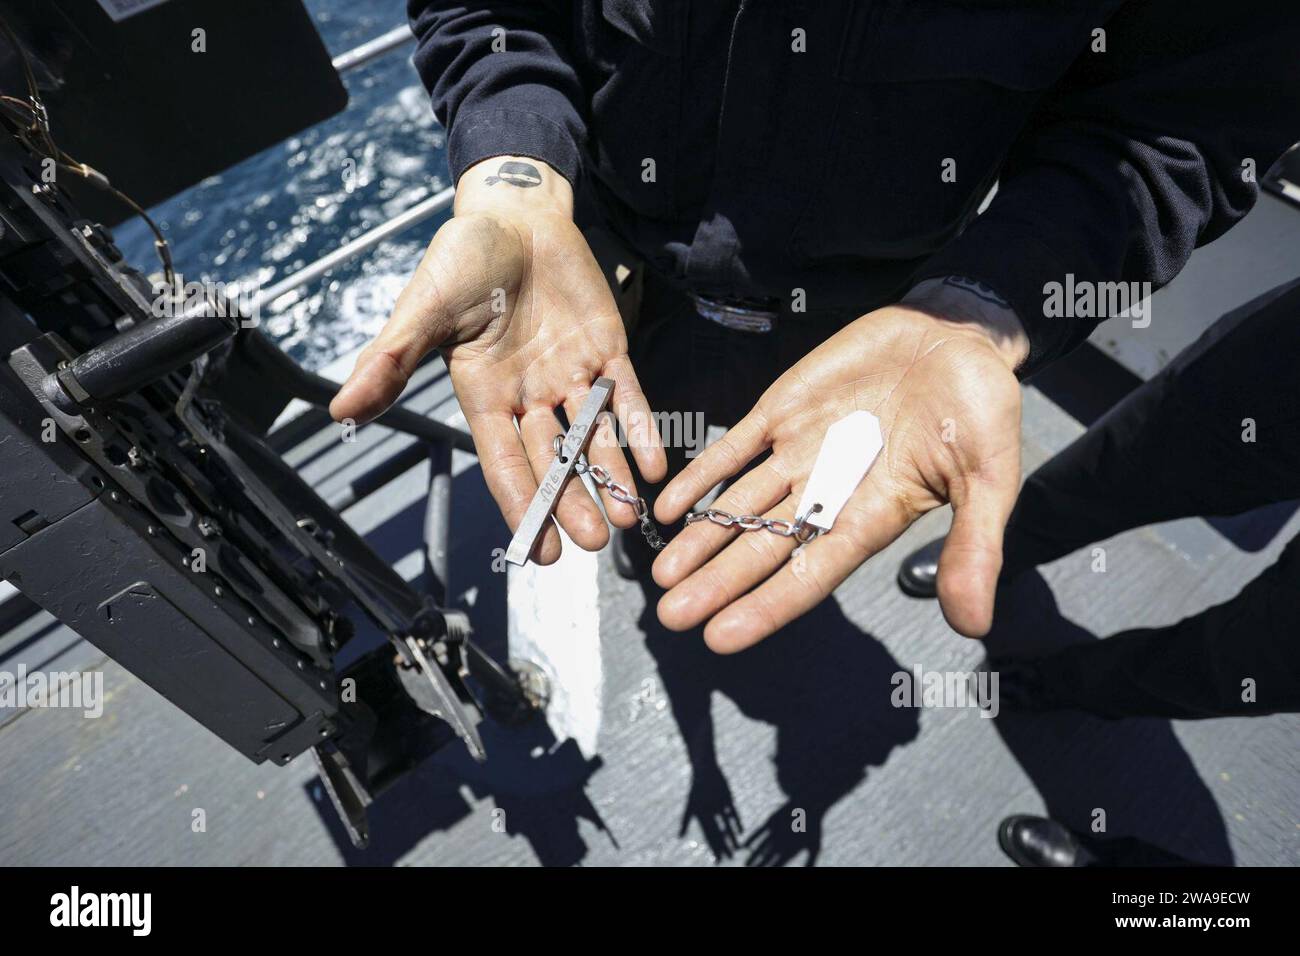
<point>544,501</point>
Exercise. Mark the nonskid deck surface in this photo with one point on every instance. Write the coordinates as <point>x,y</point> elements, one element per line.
<point>654,730</point>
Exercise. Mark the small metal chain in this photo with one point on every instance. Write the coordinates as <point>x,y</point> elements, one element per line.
<point>620,492</point>
<point>798,529</point>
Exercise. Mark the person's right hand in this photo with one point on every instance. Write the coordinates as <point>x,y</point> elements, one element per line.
<point>510,292</point>
<point>937,371</point>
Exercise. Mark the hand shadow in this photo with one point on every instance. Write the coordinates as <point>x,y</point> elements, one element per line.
<point>822,683</point>
<point>779,840</point>
<point>534,785</point>
<point>711,805</point>
<point>1134,771</point>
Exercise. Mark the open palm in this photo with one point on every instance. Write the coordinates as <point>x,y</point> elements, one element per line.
<point>526,323</point>
<point>949,410</point>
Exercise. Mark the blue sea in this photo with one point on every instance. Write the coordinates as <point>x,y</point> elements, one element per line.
<point>285,207</point>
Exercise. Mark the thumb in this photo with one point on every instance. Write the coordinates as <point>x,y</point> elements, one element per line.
<point>416,328</point>
<point>972,557</point>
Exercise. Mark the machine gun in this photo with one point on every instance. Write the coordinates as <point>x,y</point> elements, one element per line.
<point>144,507</point>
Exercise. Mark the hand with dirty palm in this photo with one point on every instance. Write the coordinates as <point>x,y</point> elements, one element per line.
<point>510,292</point>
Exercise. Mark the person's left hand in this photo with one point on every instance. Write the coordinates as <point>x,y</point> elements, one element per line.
<point>948,401</point>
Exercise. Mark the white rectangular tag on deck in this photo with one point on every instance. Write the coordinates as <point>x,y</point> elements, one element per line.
<point>847,453</point>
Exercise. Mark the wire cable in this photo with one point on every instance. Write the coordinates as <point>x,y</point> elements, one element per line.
<point>34,132</point>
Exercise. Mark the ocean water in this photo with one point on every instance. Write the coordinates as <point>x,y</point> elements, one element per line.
<point>285,207</point>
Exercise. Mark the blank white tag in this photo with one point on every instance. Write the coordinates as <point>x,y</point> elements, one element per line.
<point>846,455</point>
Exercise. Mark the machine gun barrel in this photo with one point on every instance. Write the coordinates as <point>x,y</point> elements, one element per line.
<point>142,354</point>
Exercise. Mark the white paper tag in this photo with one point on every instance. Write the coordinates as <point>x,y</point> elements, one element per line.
<point>846,455</point>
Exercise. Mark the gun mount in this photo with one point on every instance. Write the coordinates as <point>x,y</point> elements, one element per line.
<point>145,509</point>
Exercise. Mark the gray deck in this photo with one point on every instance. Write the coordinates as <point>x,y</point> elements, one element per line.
<point>802,722</point>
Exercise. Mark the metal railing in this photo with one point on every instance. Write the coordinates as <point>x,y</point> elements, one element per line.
<point>372,49</point>
<point>418,213</point>
<point>394,39</point>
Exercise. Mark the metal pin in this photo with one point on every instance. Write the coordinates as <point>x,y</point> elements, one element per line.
<point>543,504</point>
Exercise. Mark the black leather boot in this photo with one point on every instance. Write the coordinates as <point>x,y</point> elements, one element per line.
<point>1038,841</point>
<point>918,575</point>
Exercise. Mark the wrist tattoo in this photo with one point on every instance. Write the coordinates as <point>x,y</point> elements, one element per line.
<point>523,175</point>
<point>978,289</point>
